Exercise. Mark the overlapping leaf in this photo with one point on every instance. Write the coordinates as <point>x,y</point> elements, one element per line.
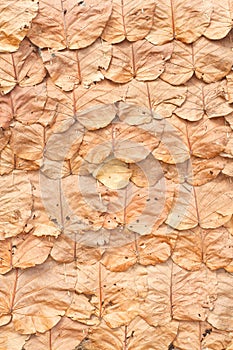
<point>157,96</point>
<point>67,24</point>
<point>66,333</point>
<point>15,21</point>
<point>201,57</point>
<point>209,205</point>
<point>16,203</point>
<point>203,99</point>
<point>140,60</point>
<point>69,68</point>
<point>36,298</point>
<point>183,21</point>
<point>23,67</point>
<point>129,20</point>
<point>221,20</point>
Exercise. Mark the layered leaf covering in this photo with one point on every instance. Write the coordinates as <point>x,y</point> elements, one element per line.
<point>116,189</point>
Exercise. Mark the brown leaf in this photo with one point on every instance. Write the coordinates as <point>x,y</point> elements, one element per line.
<point>41,221</point>
<point>129,20</point>
<point>138,335</point>
<point>23,251</point>
<point>27,142</point>
<point>221,20</point>
<point>66,333</point>
<point>193,293</point>
<point>141,60</point>
<point>201,335</point>
<point>203,99</point>
<point>205,138</point>
<point>115,295</point>
<point>15,20</point>
<point>66,249</point>
<point>24,67</point>
<point>97,117</point>
<point>196,171</point>
<point>10,339</point>
<point>229,78</point>
<point>157,96</point>
<point>201,57</point>
<point>220,316</point>
<point>209,205</point>
<point>69,68</point>
<point>147,172</point>
<point>25,104</point>
<point>97,146</point>
<point>6,161</point>
<point>146,250</point>
<point>36,298</point>
<point>213,247</point>
<point>184,21</point>
<point>69,25</point>
<point>16,203</point>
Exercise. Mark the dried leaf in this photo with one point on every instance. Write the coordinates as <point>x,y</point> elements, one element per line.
<point>6,161</point>
<point>204,139</point>
<point>24,67</point>
<point>209,205</point>
<point>97,117</point>
<point>147,172</point>
<point>221,316</point>
<point>201,335</point>
<point>67,250</point>
<point>36,298</point>
<point>157,96</point>
<point>141,60</point>
<point>9,339</point>
<point>16,203</point>
<point>69,68</point>
<point>129,20</point>
<point>146,250</point>
<point>193,293</point>
<point>138,335</point>
<point>221,20</point>
<point>23,251</point>
<point>27,142</point>
<point>203,99</point>
<point>114,174</point>
<point>184,21</point>
<point>213,247</point>
<point>66,333</point>
<point>131,144</point>
<point>13,31</point>
<point>201,57</point>
<point>68,25</point>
